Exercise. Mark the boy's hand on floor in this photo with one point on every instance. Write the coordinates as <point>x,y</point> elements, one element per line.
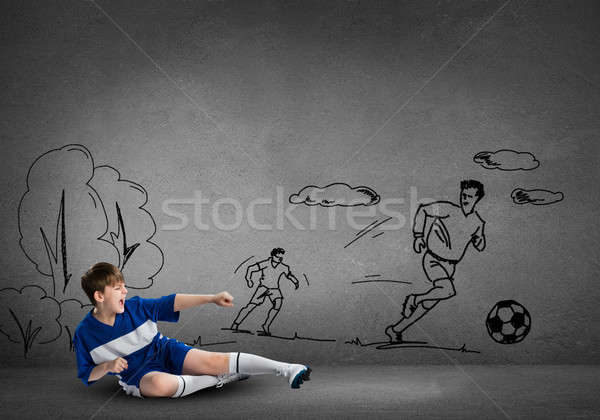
<point>223,299</point>
<point>117,366</point>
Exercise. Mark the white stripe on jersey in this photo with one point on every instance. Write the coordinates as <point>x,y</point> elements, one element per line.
<point>126,344</point>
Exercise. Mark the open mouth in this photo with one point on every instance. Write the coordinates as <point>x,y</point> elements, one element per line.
<point>121,301</point>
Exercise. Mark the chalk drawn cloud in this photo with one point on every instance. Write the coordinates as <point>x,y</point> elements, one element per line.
<point>336,194</point>
<point>507,160</point>
<point>536,197</point>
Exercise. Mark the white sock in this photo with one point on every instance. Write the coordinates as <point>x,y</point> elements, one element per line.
<point>189,384</point>
<point>252,364</point>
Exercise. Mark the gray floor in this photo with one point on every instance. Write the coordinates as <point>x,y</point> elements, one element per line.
<point>449,392</point>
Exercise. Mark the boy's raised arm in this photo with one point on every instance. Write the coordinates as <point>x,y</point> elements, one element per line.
<point>184,301</point>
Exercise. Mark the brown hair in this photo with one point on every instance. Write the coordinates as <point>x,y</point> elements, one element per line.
<point>99,276</point>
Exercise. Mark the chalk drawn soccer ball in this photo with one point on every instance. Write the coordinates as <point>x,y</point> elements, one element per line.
<point>508,322</point>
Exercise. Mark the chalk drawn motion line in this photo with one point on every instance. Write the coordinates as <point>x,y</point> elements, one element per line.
<point>366,231</point>
<point>242,263</point>
<point>336,194</point>
<point>373,278</point>
<point>366,227</point>
<point>306,278</point>
<point>381,281</point>
<point>507,160</point>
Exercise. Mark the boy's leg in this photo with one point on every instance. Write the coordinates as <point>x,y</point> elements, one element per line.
<point>200,362</point>
<point>170,379</point>
<point>158,384</point>
<point>161,384</point>
<point>251,364</point>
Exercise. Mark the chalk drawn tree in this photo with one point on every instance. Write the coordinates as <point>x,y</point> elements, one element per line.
<point>72,311</point>
<point>74,214</point>
<point>29,316</point>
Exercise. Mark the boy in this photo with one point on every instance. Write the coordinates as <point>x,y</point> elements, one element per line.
<point>120,337</point>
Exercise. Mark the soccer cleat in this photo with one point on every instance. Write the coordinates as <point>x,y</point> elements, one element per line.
<point>394,336</point>
<point>230,377</point>
<point>297,374</point>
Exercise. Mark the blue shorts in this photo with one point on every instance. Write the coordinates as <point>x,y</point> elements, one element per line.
<point>168,359</point>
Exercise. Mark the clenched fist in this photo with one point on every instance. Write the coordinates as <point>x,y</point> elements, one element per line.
<point>223,299</point>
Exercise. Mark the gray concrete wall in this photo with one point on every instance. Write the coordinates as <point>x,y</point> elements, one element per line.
<point>256,100</point>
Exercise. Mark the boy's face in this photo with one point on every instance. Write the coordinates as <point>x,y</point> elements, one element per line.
<point>114,297</point>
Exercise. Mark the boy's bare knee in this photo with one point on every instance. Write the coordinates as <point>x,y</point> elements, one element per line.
<point>157,386</point>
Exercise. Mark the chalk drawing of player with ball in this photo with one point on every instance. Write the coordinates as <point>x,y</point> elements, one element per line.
<point>442,231</point>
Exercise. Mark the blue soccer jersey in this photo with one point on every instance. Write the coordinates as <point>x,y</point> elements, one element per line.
<point>134,336</point>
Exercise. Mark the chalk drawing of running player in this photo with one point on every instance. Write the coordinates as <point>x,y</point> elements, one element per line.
<point>443,230</point>
<point>271,270</point>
